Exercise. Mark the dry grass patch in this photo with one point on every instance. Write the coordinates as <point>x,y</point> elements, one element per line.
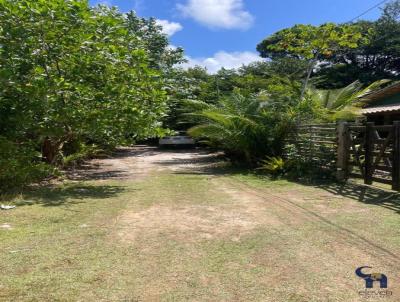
<point>172,235</point>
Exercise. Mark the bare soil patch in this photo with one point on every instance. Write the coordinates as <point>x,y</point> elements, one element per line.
<point>247,243</point>
<point>137,162</point>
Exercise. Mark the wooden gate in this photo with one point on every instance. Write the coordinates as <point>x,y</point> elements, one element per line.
<point>371,152</point>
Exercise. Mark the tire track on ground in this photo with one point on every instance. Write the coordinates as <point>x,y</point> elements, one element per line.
<point>345,235</point>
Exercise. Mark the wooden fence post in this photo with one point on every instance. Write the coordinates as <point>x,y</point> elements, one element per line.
<point>396,157</point>
<point>369,153</point>
<point>342,169</point>
<point>310,144</point>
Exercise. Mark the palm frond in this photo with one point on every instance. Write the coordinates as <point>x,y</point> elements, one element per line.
<point>371,88</point>
<point>344,103</point>
<point>235,124</point>
<point>346,95</point>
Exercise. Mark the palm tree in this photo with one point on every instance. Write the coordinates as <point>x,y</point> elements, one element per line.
<point>343,103</point>
<point>234,125</point>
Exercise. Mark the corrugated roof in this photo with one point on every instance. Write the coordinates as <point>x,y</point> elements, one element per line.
<point>381,109</point>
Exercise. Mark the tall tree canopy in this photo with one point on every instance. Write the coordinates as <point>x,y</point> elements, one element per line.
<point>310,42</point>
<point>376,58</point>
<point>71,72</point>
<point>73,77</point>
<point>365,50</point>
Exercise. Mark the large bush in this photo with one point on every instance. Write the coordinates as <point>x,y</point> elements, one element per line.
<point>250,128</point>
<point>20,165</point>
<point>73,74</point>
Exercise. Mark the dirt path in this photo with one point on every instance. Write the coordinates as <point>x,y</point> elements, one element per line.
<point>139,162</point>
<point>203,234</point>
<point>181,225</point>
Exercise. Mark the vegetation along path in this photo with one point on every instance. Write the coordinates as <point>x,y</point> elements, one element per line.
<point>151,225</point>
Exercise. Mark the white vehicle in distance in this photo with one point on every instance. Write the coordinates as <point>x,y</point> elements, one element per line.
<point>179,140</point>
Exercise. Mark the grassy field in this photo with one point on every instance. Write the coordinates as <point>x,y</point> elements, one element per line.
<point>174,236</point>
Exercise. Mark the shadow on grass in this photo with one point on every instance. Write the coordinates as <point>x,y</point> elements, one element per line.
<point>217,165</point>
<point>90,170</point>
<point>362,193</point>
<point>366,194</point>
<point>67,194</point>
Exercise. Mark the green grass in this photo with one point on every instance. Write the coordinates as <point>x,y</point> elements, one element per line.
<point>61,246</point>
<point>73,243</point>
<point>57,241</point>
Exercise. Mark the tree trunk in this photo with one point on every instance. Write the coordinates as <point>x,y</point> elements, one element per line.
<point>309,72</point>
<point>50,150</point>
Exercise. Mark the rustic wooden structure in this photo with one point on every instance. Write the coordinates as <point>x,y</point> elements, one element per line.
<point>315,143</point>
<point>367,151</point>
<point>370,152</point>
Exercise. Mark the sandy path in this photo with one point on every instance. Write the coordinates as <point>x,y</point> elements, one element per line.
<point>139,161</point>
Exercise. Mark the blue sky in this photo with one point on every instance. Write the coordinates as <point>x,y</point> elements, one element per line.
<point>224,33</point>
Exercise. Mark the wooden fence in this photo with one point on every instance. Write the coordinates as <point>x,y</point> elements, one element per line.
<point>370,152</point>
<point>315,143</point>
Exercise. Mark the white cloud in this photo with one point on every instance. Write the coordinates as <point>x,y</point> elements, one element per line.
<point>104,2</point>
<point>228,14</point>
<point>169,28</point>
<point>223,59</point>
<point>172,47</point>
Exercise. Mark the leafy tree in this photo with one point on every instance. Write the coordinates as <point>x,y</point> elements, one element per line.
<point>71,74</point>
<point>391,11</point>
<point>310,43</point>
<point>292,68</point>
<point>376,59</point>
<point>247,80</point>
<point>154,41</point>
<point>183,85</point>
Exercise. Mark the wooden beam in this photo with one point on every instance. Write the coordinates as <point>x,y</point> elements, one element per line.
<point>396,157</point>
<point>343,155</point>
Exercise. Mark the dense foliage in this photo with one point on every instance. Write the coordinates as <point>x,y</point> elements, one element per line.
<point>344,103</point>
<point>76,80</point>
<point>72,75</point>
<point>366,51</point>
<point>251,114</point>
<point>248,112</point>
<point>376,58</point>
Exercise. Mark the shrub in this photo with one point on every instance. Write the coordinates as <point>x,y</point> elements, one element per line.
<point>294,168</point>
<point>20,165</point>
<point>82,152</point>
<point>275,166</point>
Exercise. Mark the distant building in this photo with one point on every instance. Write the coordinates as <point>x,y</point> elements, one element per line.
<point>383,105</point>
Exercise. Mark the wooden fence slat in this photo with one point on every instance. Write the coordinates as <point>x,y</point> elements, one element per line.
<point>369,148</point>
<point>343,152</point>
<point>396,157</point>
<point>384,168</point>
<point>357,128</point>
<point>382,180</point>
<point>371,152</point>
<point>384,127</point>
